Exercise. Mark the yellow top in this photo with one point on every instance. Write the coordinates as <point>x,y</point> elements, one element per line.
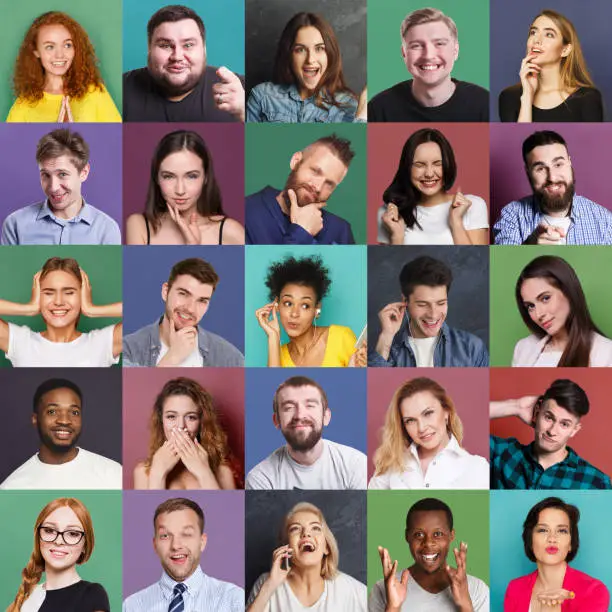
<point>340,346</point>
<point>94,107</point>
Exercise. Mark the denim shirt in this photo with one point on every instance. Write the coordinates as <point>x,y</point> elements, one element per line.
<point>272,103</point>
<point>142,348</point>
<point>455,348</point>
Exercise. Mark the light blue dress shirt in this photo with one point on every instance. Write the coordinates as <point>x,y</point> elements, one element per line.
<point>36,224</point>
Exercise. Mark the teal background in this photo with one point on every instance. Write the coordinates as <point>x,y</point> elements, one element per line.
<point>19,264</point>
<point>224,23</point>
<point>345,303</point>
<point>268,151</point>
<point>591,264</point>
<point>18,513</point>
<point>102,26</point>
<point>385,63</point>
<point>508,560</point>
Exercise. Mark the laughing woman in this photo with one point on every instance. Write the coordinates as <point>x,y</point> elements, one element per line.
<point>309,84</point>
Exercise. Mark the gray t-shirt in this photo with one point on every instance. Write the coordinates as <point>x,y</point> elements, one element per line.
<point>338,467</point>
<point>419,599</point>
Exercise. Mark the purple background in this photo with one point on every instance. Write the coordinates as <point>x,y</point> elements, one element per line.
<point>588,146</point>
<point>146,270</point>
<point>510,23</point>
<point>225,143</point>
<point>19,171</point>
<point>223,557</point>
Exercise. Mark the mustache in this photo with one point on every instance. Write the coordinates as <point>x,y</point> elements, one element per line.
<point>296,422</point>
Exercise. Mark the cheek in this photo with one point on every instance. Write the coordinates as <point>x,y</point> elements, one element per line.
<point>193,427</point>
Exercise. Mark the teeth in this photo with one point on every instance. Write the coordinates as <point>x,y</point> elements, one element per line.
<point>430,557</point>
<point>429,67</point>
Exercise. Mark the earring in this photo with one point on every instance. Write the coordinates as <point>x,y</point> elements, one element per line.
<point>318,312</point>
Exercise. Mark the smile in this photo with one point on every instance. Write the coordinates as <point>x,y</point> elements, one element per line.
<point>428,183</point>
<point>430,559</point>
<point>547,324</point>
<point>307,547</point>
<point>431,324</point>
<point>62,433</point>
<point>177,68</point>
<point>184,317</point>
<point>59,64</point>
<point>58,554</point>
<point>311,72</point>
<point>427,437</point>
<point>178,558</point>
<point>59,313</point>
<point>429,67</point>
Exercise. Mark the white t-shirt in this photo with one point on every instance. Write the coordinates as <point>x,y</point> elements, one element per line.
<point>434,221</point>
<point>86,471</point>
<point>424,349</point>
<point>560,222</point>
<point>423,601</point>
<point>338,467</point>
<point>28,349</point>
<point>342,594</point>
<point>193,360</point>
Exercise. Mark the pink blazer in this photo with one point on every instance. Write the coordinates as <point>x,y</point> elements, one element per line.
<point>591,594</point>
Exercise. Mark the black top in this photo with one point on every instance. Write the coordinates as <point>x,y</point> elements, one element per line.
<point>220,230</point>
<point>585,104</point>
<point>81,596</point>
<point>469,102</point>
<point>143,100</point>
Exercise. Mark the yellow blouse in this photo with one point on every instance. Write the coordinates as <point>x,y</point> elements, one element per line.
<point>95,106</point>
<point>340,346</point>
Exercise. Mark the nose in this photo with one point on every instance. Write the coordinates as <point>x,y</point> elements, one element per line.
<point>177,53</point>
<point>540,312</point>
<point>179,187</point>
<point>55,183</point>
<point>429,49</point>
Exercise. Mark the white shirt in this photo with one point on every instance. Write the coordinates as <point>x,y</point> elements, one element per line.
<point>452,468</point>
<point>342,594</point>
<point>424,349</point>
<point>86,471</point>
<point>29,349</point>
<point>193,360</point>
<point>548,359</point>
<point>420,600</point>
<point>434,221</point>
<point>560,222</point>
<point>338,467</point>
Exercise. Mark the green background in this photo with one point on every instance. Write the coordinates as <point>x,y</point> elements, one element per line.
<point>387,525</point>
<point>385,63</point>
<point>345,303</point>
<point>268,151</point>
<point>592,265</point>
<point>18,513</point>
<point>101,22</point>
<point>19,264</point>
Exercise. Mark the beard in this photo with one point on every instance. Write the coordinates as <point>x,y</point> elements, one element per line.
<point>297,441</point>
<point>172,89</point>
<point>58,449</point>
<point>307,195</point>
<point>555,203</point>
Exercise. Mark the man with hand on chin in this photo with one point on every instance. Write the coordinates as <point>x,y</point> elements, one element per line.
<point>546,463</point>
<point>414,332</point>
<point>177,84</point>
<point>177,340</point>
<point>430,583</point>
<point>297,215</point>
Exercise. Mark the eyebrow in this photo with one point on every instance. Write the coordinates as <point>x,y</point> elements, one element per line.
<point>184,171</point>
<point>55,525</point>
<point>171,40</point>
<point>547,525</point>
<point>54,170</point>
<point>73,405</point>
<point>46,42</point>
<point>68,287</point>
<point>308,399</point>
<point>555,159</point>
<point>306,297</point>
<point>300,524</point>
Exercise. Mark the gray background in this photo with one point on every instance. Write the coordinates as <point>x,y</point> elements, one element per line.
<point>266,19</point>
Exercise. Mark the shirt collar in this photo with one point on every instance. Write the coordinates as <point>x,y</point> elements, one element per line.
<point>575,210</point>
<point>193,583</point>
<point>85,214</point>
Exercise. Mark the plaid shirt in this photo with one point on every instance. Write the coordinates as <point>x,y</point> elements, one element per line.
<point>514,466</point>
<point>590,222</point>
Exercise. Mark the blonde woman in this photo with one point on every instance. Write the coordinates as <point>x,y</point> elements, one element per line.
<point>421,443</point>
<point>304,573</point>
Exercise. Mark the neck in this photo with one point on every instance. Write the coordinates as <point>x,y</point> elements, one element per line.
<point>558,342</point>
<point>550,79</point>
<point>547,460</point>
<point>433,95</point>
<point>302,343</point>
<point>54,84</point>
<point>46,455</point>
<point>61,334</point>
<point>551,576</point>
<point>425,453</point>
<point>308,457</point>
<point>432,583</point>
<point>69,212</point>
<point>435,199</point>
<point>308,578</point>
<point>59,579</point>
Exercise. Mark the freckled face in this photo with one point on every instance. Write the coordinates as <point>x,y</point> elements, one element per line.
<point>54,49</point>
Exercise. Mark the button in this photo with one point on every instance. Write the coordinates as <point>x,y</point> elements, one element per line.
<point>434,463</point>
<point>427,485</point>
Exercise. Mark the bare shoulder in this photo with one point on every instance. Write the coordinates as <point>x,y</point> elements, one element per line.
<point>141,476</point>
<point>233,232</point>
<point>135,229</point>
<point>225,477</point>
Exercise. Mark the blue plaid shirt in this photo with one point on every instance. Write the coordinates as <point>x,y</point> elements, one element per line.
<point>514,466</point>
<point>590,222</point>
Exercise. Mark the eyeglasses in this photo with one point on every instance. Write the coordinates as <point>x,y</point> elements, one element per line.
<point>71,537</point>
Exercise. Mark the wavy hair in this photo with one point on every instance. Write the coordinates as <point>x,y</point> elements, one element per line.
<point>29,75</point>
<point>394,437</point>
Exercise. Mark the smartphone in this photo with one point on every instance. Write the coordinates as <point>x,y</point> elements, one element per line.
<point>286,564</point>
<point>363,336</point>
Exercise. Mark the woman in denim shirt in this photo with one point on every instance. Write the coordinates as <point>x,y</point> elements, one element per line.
<point>309,85</point>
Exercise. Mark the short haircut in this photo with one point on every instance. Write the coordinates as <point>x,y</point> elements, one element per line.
<point>306,272</point>
<point>533,517</point>
<point>179,503</point>
<point>426,271</point>
<point>540,139</point>
<point>198,268</point>
<point>340,147</point>
<point>427,15</point>
<point>568,395</point>
<point>63,142</point>
<point>299,381</point>
<point>172,13</point>
<point>52,384</point>
<point>430,504</point>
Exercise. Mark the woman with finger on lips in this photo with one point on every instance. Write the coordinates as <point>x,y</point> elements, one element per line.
<point>304,573</point>
<point>183,203</point>
<point>419,206</point>
<point>555,81</point>
<point>188,448</point>
<point>551,540</point>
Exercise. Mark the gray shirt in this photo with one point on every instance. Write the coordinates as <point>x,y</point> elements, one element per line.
<point>142,348</point>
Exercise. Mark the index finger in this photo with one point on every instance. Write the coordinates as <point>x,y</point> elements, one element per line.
<point>292,197</point>
<point>400,305</point>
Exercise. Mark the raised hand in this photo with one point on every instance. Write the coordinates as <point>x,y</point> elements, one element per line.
<point>459,206</point>
<point>267,317</point>
<point>181,343</point>
<point>359,359</point>
<point>362,105</point>
<point>164,459</point>
<point>529,74</point>
<point>190,230</point>
<point>34,303</point>
<point>458,580</point>
<point>396,590</point>
<point>86,298</point>
<point>309,217</point>
<point>229,93</point>
<point>390,318</point>
<point>554,597</point>
<point>280,565</point>
<point>192,454</point>
<point>525,407</point>
<point>549,234</point>
<point>395,223</point>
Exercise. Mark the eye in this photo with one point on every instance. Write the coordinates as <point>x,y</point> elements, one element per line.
<point>193,417</point>
<point>48,47</point>
<point>428,413</point>
<point>188,45</point>
<point>76,413</point>
<point>163,536</point>
<point>316,528</point>
<point>164,46</point>
<point>564,531</point>
<point>51,411</point>
<point>63,174</point>
<point>293,529</point>
<point>166,177</point>
<point>69,45</point>
<point>74,534</point>
<point>48,530</point>
<point>305,306</point>
<point>193,175</point>
<point>545,298</point>
<point>441,43</point>
<point>287,304</point>
<point>438,534</point>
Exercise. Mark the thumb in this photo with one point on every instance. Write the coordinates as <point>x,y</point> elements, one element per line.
<point>225,74</point>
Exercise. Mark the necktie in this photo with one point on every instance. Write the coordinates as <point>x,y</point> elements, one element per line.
<point>177,604</point>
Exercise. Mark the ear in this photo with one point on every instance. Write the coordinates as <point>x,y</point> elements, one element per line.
<point>34,419</point>
<point>85,172</point>
<point>326,417</point>
<point>452,535</point>
<point>576,430</point>
<point>566,50</point>
<point>164,291</point>
<point>456,54</point>
<point>275,420</point>
<point>296,158</point>
<point>403,52</point>
<point>36,54</point>
<point>203,542</point>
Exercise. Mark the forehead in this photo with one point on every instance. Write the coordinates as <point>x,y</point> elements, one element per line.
<point>424,293</point>
<point>60,396</point>
<point>64,515</point>
<point>428,150</point>
<point>560,413</point>
<point>177,519</point>
<point>308,35</point>
<point>53,32</point>
<point>59,278</point>
<point>432,30</point>
<point>545,154</point>
<point>63,162</point>
<point>321,156</point>
<point>180,404</point>
<point>298,292</point>
<point>183,160</point>
<point>304,517</point>
<point>553,516</point>
<point>544,22</point>
<point>413,405</point>
<point>294,394</point>
<point>177,30</point>
<point>193,285</point>
<point>429,519</point>
<point>532,287</point>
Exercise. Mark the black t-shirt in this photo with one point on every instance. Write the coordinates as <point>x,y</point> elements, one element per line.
<point>469,102</point>
<point>585,104</point>
<point>143,100</point>
<point>81,596</point>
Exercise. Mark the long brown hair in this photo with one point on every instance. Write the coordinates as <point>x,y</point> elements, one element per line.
<point>332,81</point>
<point>32,572</point>
<point>29,75</point>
